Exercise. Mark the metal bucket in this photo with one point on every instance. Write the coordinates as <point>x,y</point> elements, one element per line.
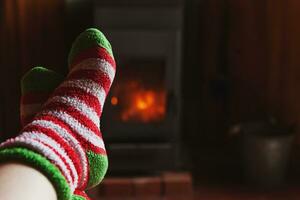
<point>266,153</point>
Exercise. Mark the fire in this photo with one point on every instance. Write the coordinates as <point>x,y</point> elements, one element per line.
<point>136,103</point>
<point>145,100</point>
<point>145,105</point>
<point>141,104</point>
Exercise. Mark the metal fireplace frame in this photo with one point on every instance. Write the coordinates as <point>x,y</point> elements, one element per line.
<point>139,32</point>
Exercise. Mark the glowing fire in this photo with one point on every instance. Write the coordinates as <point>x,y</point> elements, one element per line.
<point>144,100</point>
<point>146,106</point>
<point>141,104</point>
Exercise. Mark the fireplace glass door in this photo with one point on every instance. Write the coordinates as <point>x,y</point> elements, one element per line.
<point>137,103</point>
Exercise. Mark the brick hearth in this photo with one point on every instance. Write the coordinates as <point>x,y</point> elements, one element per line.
<point>170,185</point>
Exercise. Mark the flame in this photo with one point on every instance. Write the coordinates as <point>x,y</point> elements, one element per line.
<point>145,100</point>
<point>139,104</point>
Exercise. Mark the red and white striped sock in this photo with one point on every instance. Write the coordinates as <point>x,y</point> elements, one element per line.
<point>36,86</point>
<point>67,130</point>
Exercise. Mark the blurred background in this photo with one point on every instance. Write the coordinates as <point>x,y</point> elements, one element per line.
<point>206,96</point>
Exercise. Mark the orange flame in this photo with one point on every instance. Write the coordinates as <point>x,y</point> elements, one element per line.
<point>145,100</point>
<point>145,106</point>
<point>137,104</point>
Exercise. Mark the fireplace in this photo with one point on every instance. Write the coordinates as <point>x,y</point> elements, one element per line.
<point>141,120</point>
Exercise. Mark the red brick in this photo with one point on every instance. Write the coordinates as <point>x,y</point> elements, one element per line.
<point>113,187</point>
<point>147,186</point>
<point>177,184</point>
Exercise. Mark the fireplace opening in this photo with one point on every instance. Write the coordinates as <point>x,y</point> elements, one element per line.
<point>139,94</point>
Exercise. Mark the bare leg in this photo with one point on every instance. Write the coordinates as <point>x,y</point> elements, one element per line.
<point>18,181</point>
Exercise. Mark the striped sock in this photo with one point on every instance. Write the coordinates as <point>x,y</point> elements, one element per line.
<point>64,139</point>
<point>36,86</point>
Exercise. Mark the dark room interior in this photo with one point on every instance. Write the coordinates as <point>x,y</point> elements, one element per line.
<point>205,100</point>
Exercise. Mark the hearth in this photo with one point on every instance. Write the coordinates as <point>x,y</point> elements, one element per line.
<point>141,121</point>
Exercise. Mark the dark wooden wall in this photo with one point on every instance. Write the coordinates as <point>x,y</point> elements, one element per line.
<point>31,34</point>
<point>241,63</point>
<point>34,32</point>
<point>242,59</point>
<point>263,54</point>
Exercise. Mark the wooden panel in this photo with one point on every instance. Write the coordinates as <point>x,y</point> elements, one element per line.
<point>31,34</point>
<point>264,59</point>
<point>259,42</point>
<point>276,47</point>
<point>290,67</point>
<point>41,31</point>
<point>247,59</point>
<point>9,63</point>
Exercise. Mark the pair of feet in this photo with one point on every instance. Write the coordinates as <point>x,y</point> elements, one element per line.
<point>61,117</point>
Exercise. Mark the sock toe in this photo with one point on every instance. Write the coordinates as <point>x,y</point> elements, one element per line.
<point>88,39</point>
<point>40,79</point>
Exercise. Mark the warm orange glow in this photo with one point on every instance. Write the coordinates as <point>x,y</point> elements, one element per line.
<point>143,105</point>
<point>114,101</point>
<point>145,100</point>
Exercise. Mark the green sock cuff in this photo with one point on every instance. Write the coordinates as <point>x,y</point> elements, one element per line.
<point>98,167</point>
<point>41,163</point>
<point>40,79</point>
<point>91,37</point>
<point>77,197</point>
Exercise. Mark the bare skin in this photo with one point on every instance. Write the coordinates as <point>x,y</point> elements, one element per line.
<point>18,181</point>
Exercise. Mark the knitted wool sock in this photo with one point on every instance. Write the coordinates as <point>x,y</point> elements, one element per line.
<point>64,140</point>
<point>36,86</point>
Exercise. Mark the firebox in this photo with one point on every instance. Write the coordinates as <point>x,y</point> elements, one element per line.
<point>138,99</point>
<point>141,120</point>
